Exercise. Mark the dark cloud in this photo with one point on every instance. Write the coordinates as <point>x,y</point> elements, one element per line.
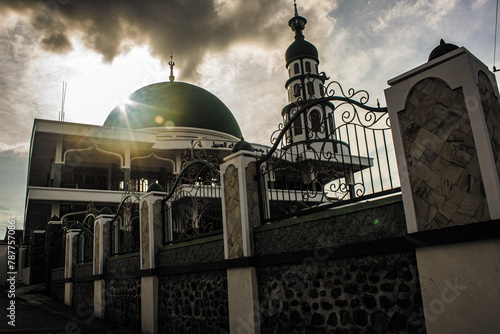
<point>57,43</point>
<point>192,29</point>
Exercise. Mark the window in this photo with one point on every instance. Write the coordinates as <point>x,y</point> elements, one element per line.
<point>315,118</point>
<point>310,88</point>
<point>296,68</point>
<point>308,66</point>
<point>297,126</point>
<point>330,124</point>
<point>296,90</point>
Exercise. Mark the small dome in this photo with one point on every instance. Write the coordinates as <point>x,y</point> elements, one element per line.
<point>155,187</point>
<point>54,218</point>
<point>106,211</point>
<point>174,104</point>
<point>442,49</point>
<point>242,145</point>
<point>300,48</point>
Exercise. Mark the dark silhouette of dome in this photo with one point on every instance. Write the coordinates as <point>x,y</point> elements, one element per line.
<point>155,187</point>
<point>174,104</point>
<point>242,145</point>
<point>442,49</point>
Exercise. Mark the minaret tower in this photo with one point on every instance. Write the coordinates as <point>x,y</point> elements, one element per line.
<point>302,64</point>
<point>305,83</point>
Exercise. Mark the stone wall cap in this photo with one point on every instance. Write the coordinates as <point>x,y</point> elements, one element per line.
<point>242,153</point>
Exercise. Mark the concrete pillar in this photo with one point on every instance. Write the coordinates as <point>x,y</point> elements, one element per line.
<point>126,178</point>
<point>57,175</point>
<point>58,163</point>
<point>52,232</point>
<point>36,257</point>
<point>240,214</point>
<point>448,154</point>
<point>21,264</point>
<point>443,116</point>
<point>70,260</point>
<point>151,240</point>
<point>102,250</point>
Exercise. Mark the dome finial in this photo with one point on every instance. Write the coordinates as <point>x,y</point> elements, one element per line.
<point>297,23</point>
<point>172,64</point>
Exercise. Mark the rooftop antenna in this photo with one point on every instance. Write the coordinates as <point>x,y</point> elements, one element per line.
<point>62,113</point>
<point>172,64</point>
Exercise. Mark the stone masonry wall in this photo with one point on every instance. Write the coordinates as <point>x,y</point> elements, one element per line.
<point>383,222</point>
<point>83,296</point>
<point>211,251</point>
<point>56,290</point>
<point>370,294</point>
<point>441,156</point>
<point>123,301</point>
<point>193,303</point>
<point>123,263</point>
<point>83,270</point>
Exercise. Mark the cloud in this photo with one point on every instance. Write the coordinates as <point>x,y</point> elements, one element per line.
<point>191,29</point>
<point>57,43</point>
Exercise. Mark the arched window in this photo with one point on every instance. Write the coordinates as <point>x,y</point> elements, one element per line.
<point>315,118</point>
<point>297,126</point>
<point>296,68</point>
<point>308,66</point>
<point>310,88</point>
<point>296,90</point>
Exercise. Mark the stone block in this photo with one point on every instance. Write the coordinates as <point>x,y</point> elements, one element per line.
<point>453,172</point>
<point>448,209</point>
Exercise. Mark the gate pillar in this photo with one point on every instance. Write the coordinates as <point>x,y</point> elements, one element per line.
<point>240,214</point>
<point>151,226</point>
<point>70,261</point>
<point>102,250</point>
<point>445,117</point>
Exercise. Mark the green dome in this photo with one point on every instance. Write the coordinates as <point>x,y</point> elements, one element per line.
<point>300,48</point>
<point>168,104</point>
<point>155,187</point>
<point>242,145</point>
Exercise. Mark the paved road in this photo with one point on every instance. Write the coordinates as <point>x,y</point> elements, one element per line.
<point>37,313</point>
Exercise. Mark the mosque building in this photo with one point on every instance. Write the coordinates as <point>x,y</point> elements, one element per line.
<point>142,142</point>
<point>330,229</point>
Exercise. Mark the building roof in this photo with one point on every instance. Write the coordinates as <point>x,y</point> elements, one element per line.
<point>174,104</point>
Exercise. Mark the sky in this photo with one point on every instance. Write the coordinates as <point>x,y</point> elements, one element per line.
<point>105,50</point>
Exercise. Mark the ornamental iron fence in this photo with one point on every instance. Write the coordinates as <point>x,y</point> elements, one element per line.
<point>125,229</point>
<point>328,150</point>
<point>85,252</point>
<point>193,206</point>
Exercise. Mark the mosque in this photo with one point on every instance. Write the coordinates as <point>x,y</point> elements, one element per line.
<point>421,255</point>
<point>142,142</point>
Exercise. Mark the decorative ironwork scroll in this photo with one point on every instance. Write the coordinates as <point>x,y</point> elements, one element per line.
<point>86,239</point>
<point>125,227</point>
<point>330,147</point>
<point>193,206</point>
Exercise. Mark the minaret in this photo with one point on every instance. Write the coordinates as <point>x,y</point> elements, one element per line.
<point>302,64</point>
<point>305,83</point>
<point>172,64</point>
